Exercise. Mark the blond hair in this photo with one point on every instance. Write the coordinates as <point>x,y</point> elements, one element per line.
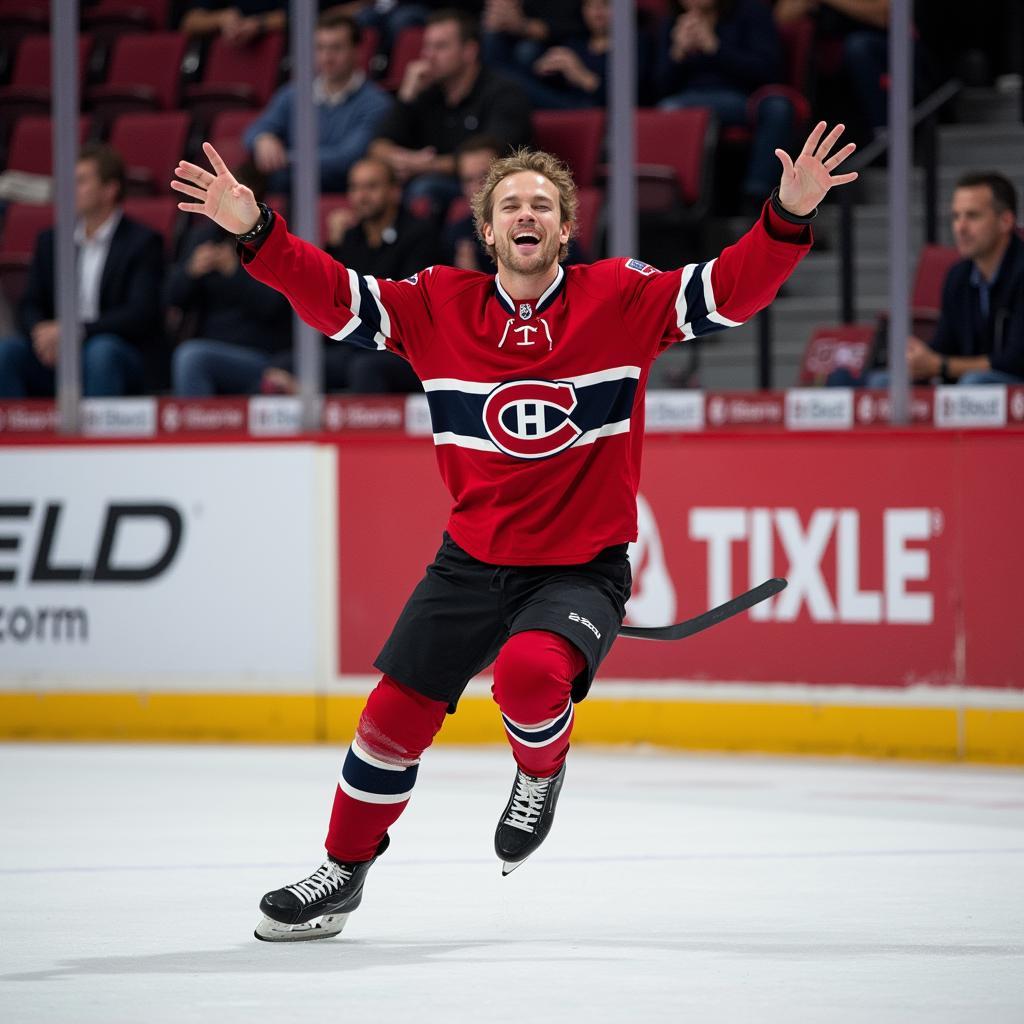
<point>524,159</point>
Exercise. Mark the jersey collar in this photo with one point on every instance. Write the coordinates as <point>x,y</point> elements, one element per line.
<point>549,296</point>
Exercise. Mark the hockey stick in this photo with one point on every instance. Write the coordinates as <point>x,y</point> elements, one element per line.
<point>709,618</point>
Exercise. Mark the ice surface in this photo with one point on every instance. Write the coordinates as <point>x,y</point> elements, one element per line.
<point>672,888</point>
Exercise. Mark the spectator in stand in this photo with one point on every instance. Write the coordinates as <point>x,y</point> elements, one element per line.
<point>239,323</point>
<point>516,32</point>
<point>349,111</point>
<point>862,27</point>
<point>373,236</point>
<point>445,97</point>
<point>718,53</point>
<point>980,334</point>
<point>119,267</point>
<point>572,75</point>
<point>461,246</point>
<point>239,22</point>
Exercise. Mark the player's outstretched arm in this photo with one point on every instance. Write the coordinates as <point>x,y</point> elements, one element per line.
<point>218,195</point>
<point>806,181</point>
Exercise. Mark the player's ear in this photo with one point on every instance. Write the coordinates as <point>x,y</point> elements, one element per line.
<point>488,234</point>
<point>565,231</point>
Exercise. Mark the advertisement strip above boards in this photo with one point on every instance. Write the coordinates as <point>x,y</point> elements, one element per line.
<point>667,411</point>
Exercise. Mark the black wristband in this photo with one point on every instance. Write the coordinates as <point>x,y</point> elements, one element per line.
<point>261,225</point>
<point>791,218</point>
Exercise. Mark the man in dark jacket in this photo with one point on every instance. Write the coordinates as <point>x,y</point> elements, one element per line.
<point>120,263</point>
<point>980,335</point>
<point>445,97</point>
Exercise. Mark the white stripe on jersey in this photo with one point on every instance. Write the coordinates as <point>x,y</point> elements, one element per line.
<point>385,321</point>
<point>681,297</point>
<point>482,444</point>
<point>709,299</point>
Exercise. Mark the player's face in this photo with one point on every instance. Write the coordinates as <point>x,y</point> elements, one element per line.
<point>977,228</point>
<point>526,227</point>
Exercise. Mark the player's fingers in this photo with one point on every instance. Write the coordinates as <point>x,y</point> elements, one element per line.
<point>829,141</point>
<point>192,207</point>
<point>843,179</point>
<point>812,140</point>
<point>837,158</point>
<point>189,190</point>
<point>786,161</point>
<point>192,172</point>
<point>215,159</point>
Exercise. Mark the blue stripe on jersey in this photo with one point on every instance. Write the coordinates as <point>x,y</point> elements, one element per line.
<point>369,311</point>
<point>696,305</point>
<point>368,778</point>
<point>609,401</point>
<point>539,737</point>
<point>705,325</point>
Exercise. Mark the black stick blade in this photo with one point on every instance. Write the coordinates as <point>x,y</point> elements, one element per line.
<point>712,617</point>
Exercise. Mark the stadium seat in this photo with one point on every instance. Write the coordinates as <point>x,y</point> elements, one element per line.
<point>835,346</point>
<point>29,91</point>
<point>21,227</point>
<point>406,48</point>
<point>119,16</point>
<point>574,135</point>
<point>588,215</point>
<point>145,72</point>
<point>31,148</point>
<point>674,150</point>
<point>226,132</point>
<point>159,213</point>
<point>151,146</point>
<point>236,77</point>
<point>932,266</point>
<point>368,46</point>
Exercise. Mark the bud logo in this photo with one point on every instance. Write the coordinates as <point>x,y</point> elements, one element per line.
<point>529,419</point>
<point>42,567</point>
<point>804,548</point>
<point>961,406</point>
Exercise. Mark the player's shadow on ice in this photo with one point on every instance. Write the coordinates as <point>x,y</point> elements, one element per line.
<point>334,956</point>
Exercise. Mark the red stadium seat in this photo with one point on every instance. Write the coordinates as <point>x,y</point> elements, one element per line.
<point>151,146</point>
<point>588,214</point>
<point>238,76</point>
<point>932,267</point>
<point>145,73</point>
<point>574,135</point>
<point>226,132</point>
<point>22,224</point>
<point>836,346</point>
<point>406,48</point>
<point>674,149</point>
<point>368,46</point>
<point>31,148</point>
<point>157,212</point>
<point>117,16</point>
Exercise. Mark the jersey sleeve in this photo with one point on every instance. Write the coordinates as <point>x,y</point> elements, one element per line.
<point>367,311</point>
<point>700,298</point>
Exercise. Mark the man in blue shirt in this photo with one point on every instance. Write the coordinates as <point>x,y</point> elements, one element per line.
<point>349,109</point>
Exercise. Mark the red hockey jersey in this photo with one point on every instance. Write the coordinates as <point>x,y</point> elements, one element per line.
<point>537,406</point>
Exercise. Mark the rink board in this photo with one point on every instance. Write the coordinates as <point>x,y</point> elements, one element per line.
<point>240,591</point>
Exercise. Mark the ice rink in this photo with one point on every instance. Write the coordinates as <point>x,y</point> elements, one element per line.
<point>673,888</point>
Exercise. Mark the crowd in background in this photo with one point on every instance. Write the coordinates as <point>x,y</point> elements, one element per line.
<point>408,160</point>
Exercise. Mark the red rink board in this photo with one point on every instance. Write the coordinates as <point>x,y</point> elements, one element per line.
<point>903,560</point>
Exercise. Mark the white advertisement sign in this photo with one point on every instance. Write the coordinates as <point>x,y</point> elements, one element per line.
<point>148,561</point>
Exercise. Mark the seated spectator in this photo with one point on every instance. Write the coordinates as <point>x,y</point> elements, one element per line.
<point>461,246</point>
<point>349,110</point>
<point>718,53</point>
<point>239,322</point>
<point>119,268</point>
<point>445,97</point>
<point>239,22</point>
<point>573,75</point>
<point>516,32</point>
<point>980,334</point>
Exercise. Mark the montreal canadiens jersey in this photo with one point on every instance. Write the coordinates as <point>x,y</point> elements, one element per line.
<point>536,405</point>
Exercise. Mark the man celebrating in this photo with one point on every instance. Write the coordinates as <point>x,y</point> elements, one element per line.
<point>535,378</point>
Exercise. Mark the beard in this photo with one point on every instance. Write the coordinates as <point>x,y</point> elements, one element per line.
<point>537,263</point>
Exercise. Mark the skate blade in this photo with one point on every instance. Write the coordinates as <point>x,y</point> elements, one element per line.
<point>269,930</point>
<point>508,866</point>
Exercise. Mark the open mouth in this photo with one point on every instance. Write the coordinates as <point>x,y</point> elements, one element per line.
<point>526,241</point>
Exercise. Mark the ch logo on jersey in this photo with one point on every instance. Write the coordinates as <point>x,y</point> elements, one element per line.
<point>529,419</point>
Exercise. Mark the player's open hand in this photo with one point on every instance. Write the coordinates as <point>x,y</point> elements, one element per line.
<point>805,182</point>
<point>218,195</point>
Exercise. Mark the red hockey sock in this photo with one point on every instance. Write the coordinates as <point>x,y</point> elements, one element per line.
<point>532,685</point>
<point>396,726</point>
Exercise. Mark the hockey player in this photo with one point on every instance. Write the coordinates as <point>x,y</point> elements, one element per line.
<point>535,379</point>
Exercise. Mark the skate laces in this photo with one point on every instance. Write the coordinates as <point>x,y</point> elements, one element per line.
<point>326,880</point>
<point>527,802</point>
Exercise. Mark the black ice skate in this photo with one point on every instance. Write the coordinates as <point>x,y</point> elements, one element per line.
<point>527,818</point>
<point>318,906</point>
